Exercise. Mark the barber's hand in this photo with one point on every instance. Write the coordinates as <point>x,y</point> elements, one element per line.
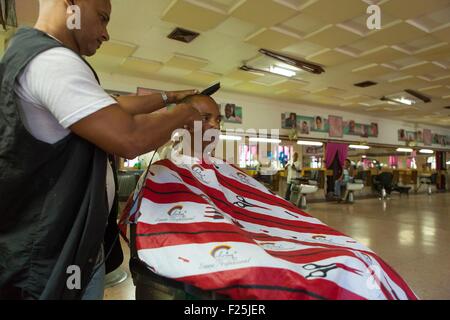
<point>192,115</point>
<point>177,96</point>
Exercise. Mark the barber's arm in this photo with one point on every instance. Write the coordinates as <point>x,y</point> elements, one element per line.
<point>127,135</point>
<point>149,103</point>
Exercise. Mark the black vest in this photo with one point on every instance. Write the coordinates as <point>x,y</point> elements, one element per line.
<point>53,206</point>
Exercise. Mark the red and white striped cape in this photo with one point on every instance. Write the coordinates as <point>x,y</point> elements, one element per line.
<point>214,227</point>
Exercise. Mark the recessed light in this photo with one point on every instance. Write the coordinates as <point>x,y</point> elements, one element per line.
<point>310,143</point>
<point>230,138</point>
<point>358,147</point>
<point>404,150</point>
<point>265,140</point>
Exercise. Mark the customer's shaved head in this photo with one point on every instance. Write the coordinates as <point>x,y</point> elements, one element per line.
<point>198,98</point>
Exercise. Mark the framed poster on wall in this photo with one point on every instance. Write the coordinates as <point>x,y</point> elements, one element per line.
<point>320,124</point>
<point>288,120</point>
<point>304,124</point>
<point>336,127</point>
<point>427,137</point>
<point>373,130</point>
<point>231,113</point>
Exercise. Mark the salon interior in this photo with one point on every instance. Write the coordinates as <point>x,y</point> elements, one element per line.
<point>316,87</point>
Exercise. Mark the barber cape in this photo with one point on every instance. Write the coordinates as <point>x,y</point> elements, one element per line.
<point>214,227</point>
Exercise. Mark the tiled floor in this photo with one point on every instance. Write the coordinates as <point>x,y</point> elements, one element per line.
<point>411,234</point>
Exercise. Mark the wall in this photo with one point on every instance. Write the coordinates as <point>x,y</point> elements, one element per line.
<point>262,113</point>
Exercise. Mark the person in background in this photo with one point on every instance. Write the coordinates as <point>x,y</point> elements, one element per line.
<point>294,168</point>
<point>347,174</point>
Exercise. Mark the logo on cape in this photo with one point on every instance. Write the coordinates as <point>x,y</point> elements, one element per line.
<point>198,172</point>
<point>177,212</point>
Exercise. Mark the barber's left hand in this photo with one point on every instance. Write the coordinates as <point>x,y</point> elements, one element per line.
<point>177,96</point>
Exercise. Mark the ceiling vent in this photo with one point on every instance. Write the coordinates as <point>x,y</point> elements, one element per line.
<point>183,35</point>
<point>365,84</point>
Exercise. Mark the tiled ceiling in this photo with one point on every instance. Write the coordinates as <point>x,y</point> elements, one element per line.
<point>411,51</point>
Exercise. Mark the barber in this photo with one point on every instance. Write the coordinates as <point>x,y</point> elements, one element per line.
<point>57,128</point>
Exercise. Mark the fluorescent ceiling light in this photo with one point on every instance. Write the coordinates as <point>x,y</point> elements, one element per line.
<point>364,157</point>
<point>282,71</point>
<point>448,162</point>
<point>287,66</point>
<point>399,100</point>
<point>303,65</point>
<point>427,151</point>
<point>405,150</point>
<point>310,143</point>
<point>405,101</point>
<point>230,138</point>
<point>359,147</point>
<point>265,140</point>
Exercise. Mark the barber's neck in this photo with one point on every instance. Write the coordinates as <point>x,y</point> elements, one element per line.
<point>53,22</point>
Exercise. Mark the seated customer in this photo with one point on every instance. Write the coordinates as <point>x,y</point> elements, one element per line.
<point>346,176</point>
<point>206,224</point>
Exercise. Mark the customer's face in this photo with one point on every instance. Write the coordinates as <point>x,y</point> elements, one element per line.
<point>209,110</point>
<point>95,15</point>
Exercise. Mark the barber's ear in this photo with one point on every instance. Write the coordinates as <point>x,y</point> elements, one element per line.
<point>69,2</point>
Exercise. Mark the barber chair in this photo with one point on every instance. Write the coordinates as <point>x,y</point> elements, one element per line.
<point>303,188</point>
<point>383,184</point>
<point>428,181</point>
<point>351,187</point>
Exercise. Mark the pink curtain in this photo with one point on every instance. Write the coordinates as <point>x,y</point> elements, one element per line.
<point>393,161</point>
<point>336,148</point>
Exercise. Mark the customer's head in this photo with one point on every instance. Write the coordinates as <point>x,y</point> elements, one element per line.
<point>347,164</point>
<point>82,30</point>
<point>208,109</point>
<point>295,156</point>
